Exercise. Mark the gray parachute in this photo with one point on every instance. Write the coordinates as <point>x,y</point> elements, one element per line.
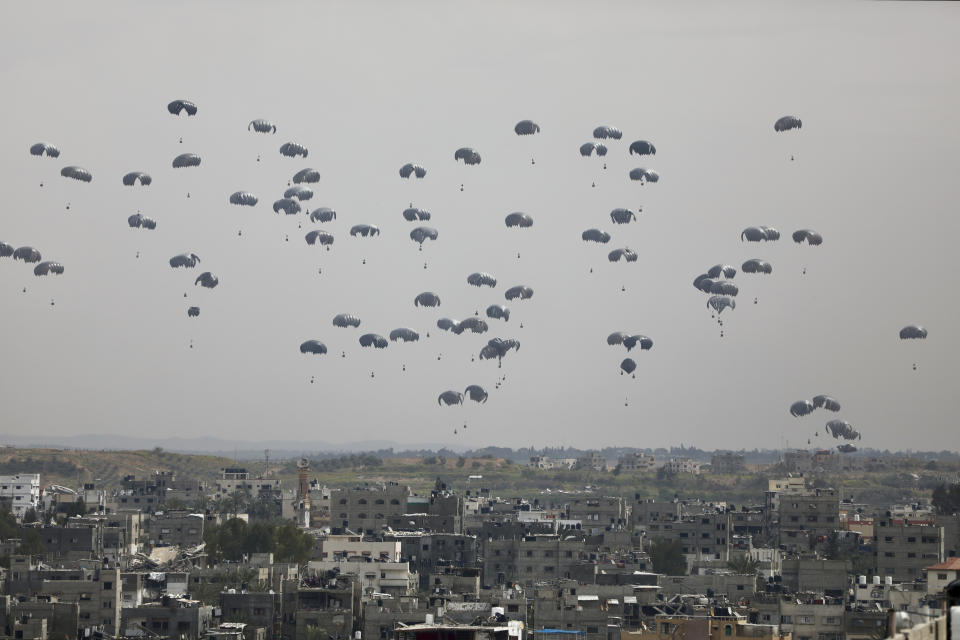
<point>373,340</point>
<point>243,198</point>
<point>186,160</point>
<point>725,270</point>
<point>626,253</point>
<point>519,219</point>
<point>6,250</point>
<point>193,312</point>
<point>299,192</point>
<point>422,234</point>
<point>809,236</point>
<point>642,148</point>
<point>262,126</point>
<point>450,398</point>
<point>498,312</point>
<point>313,346</point>
<point>498,348</point>
<point>587,149</point>
<point>604,131</point>
<point>801,408</point>
<point>446,324</point>
<point>404,334</point>
<point>913,332</point>
<point>622,216</point>
<point>476,393</point>
<point>520,291</point>
<point>27,254</point>
<point>140,221</point>
<point>630,341</point>
<point>723,288</point>
<point>842,429</point>
<point>427,299</point>
<point>306,175</point>
<point>719,303</point>
<point>292,150</point>
<point>288,205</point>
<point>43,148</point>
<point>413,214</point>
<point>346,320</point>
<point>319,236</point>
<point>179,106</point>
<point>411,169</point>
<point>323,214</point>
<point>786,123</point>
<point>758,234</point>
<point>472,324</point>
<point>644,175</point>
<point>77,173</point>
<point>481,279</point>
<point>207,280</point>
<point>185,260</point>
<point>47,267</point>
<point>595,235</point>
<point>755,265</point>
<point>628,365</point>
<point>134,177</point>
<point>365,230</point>
<point>826,402</point>
<point>468,155</point>
<point>526,128</point>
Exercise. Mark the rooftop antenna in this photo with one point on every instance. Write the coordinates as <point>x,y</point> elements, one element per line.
<point>266,462</point>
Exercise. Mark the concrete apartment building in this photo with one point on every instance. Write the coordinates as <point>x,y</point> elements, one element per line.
<point>176,528</point>
<point>238,479</point>
<point>596,512</point>
<point>636,462</point>
<point>727,463</point>
<point>682,465</point>
<point>903,550</point>
<point>535,558</point>
<point>430,553</point>
<point>367,508</point>
<point>806,517</point>
<point>591,460</point>
<point>705,537</point>
<point>23,492</point>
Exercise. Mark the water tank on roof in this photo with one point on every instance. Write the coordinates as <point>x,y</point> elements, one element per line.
<point>889,580</point>
<point>428,619</point>
<point>862,580</point>
<point>876,579</point>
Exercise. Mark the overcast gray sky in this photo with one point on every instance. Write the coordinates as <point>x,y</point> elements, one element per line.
<point>370,86</point>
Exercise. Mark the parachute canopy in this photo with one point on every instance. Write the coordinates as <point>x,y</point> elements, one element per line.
<point>243,198</point>
<point>726,270</point>
<point>786,123</point>
<point>319,236</point>
<point>450,398</point>
<point>519,219</point>
<point>807,235</point>
<point>288,205</point>
<point>587,149</point>
<point>644,175</point>
<point>468,155</point>
<point>719,303</point>
<point>186,160</point>
<point>292,150</point>
<point>313,346</point>
<point>913,332</point>
<point>422,234</point>
<point>526,128</point>
<point>826,402</point>
<point>628,365</point>
<point>520,291</point>
<point>757,234</point>
<point>306,175</point>
<point>604,131</point>
<point>411,169</point>
<point>842,429</point>
<point>323,214</point>
<point>47,267</point>
<point>498,312</point>
<point>137,176</point>
<point>476,393</point>
<point>364,230</point>
<point>626,253</point>
<point>27,254</point>
<point>481,278</point>
<point>642,148</point>
<point>77,173</point>
<point>411,214</point>
<point>262,126</point>
<point>801,408</point>
<point>373,340</point>
<point>404,334</point>
<point>622,216</point>
<point>179,106</point>
<point>139,221</point>
<point>346,320</point>
<point>299,192</point>
<point>6,250</point>
<point>595,235</point>
<point>498,347</point>
<point>43,148</point>
<point>755,265</point>
<point>193,312</point>
<point>427,299</point>
<point>185,260</point>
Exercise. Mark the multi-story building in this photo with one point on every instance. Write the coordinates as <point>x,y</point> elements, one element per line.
<point>635,462</point>
<point>367,508</point>
<point>727,463</point>
<point>238,479</point>
<point>23,491</point>
<point>902,550</point>
<point>592,460</point>
<point>176,528</point>
<point>596,512</point>
<point>704,537</point>
<point>808,517</point>
<point>682,465</point>
<point>534,558</point>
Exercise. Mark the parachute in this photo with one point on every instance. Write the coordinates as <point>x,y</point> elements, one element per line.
<point>27,254</point>
<point>616,338</point>
<point>595,235</point>
<point>306,175</point>
<point>721,302</point>
<point>498,348</point>
<point>757,234</point>
<point>755,265</point>
<point>77,173</point>
<point>421,234</point>
<point>139,221</point>
<point>412,214</point>
<point>801,408</point>
<point>186,160</point>
<point>724,288</point>
<point>786,123</point>
<point>520,291</point>
<point>243,198</point>
<point>481,278</point>
<point>587,149</point>
<point>411,169</point>
<point>47,267</point>
<point>262,126</point>
<point>726,270</point>
<point>603,132</point>
<point>622,216</point>
<point>313,346</point>
<point>179,106</point>
<point>807,235</point>
<point>499,312</point>
<point>320,236</point>
<point>373,340</point>
<point>134,176</point>
<point>476,393</point>
<point>404,334</point>
<point>298,192</point>
<point>323,214</point>
<point>626,253</point>
<point>628,365</point>
<point>772,234</point>
<point>644,175</point>
<point>703,282</point>
<point>346,320</point>
<point>526,128</point>
<point>288,205</point>
<point>842,429</point>
<point>292,150</point>
<point>6,250</point>
<point>364,230</point>
<point>642,148</point>
<point>42,148</point>
<point>472,324</point>
<point>446,324</point>
<point>826,402</point>
<point>193,312</point>
<point>185,260</point>
<point>643,342</point>
<point>450,398</point>
<point>909,332</point>
<point>468,155</point>
<point>427,299</point>
<point>518,219</point>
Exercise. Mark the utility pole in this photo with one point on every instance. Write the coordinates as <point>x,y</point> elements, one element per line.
<point>266,462</point>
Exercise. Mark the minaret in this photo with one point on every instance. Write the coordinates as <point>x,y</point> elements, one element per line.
<point>303,491</point>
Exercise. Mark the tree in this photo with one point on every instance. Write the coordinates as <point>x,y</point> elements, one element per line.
<point>667,557</point>
<point>31,544</point>
<point>946,499</point>
<point>293,545</point>
<point>743,564</point>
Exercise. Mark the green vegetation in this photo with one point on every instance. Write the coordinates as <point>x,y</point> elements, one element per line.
<point>667,557</point>
<point>235,539</point>
<point>946,499</point>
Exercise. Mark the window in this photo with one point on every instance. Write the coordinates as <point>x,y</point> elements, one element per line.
<point>107,586</point>
<point>727,630</point>
<point>941,576</point>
